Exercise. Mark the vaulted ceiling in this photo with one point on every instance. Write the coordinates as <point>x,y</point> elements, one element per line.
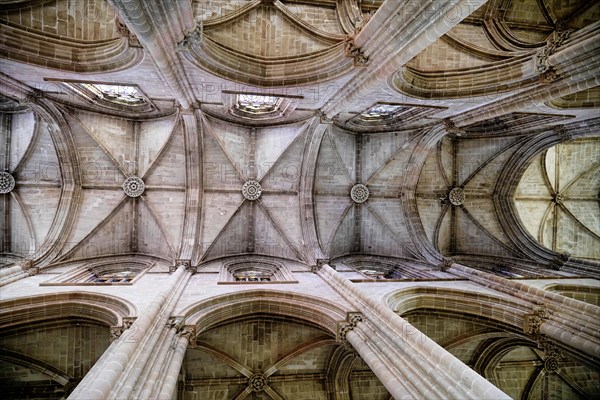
<point>472,125</point>
<point>70,153</point>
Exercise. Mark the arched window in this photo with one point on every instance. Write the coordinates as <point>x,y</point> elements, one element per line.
<point>256,271</point>
<point>256,104</point>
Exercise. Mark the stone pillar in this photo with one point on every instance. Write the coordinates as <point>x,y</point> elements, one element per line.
<point>168,390</point>
<point>569,322</point>
<point>128,362</point>
<point>408,363</point>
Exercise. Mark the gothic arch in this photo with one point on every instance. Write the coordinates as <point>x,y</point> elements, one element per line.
<point>219,309</point>
<point>504,203</point>
<point>102,309</point>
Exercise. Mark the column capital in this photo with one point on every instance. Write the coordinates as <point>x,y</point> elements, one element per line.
<point>320,263</point>
<point>352,320</point>
<point>533,322</point>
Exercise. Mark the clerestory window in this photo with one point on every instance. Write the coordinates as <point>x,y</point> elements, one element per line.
<point>380,111</point>
<point>122,94</point>
<point>257,104</point>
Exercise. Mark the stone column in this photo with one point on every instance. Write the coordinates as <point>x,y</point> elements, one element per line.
<point>128,361</point>
<point>168,390</point>
<point>568,322</point>
<point>408,363</point>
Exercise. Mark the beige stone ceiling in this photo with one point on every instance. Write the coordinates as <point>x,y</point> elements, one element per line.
<point>296,157</point>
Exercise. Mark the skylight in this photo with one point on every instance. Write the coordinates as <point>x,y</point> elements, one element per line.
<point>123,94</point>
<point>381,111</point>
<point>256,103</point>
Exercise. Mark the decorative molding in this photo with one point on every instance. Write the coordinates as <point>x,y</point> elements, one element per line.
<point>456,196</point>
<point>257,382</point>
<point>7,182</point>
<point>251,190</point>
<point>359,193</point>
<point>134,186</point>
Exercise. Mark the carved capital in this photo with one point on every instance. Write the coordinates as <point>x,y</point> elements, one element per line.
<point>352,320</point>
<point>562,132</point>
<point>533,322</point>
<point>557,39</point>
<point>175,322</point>
<point>351,50</point>
<point>451,128</point>
<point>124,31</point>
<point>186,263</point>
<point>445,264</point>
<point>189,332</point>
<point>117,331</point>
<point>320,262</point>
<point>192,38</point>
<point>26,264</point>
<point>559,261</point>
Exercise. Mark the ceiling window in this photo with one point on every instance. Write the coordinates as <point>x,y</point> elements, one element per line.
<point>257,104</point>
<point>123,94</point>
<point>382,111</point>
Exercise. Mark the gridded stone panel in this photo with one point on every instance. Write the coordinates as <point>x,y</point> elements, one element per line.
<point>72,347</point>
<point>216,8</point>
<point>345,146</point>
<point>285,174</point>
<point>527,12</point>
<point>95,206</point>
<point>440,328</point>
<point>484,213</point>
<point>444,54</point>
<point>431,179</point>
<point>153,136</point>
<point>473,153</point>
<point>306,390</point>
<point>265,32</point>
<point>574,240</point>
<point>529,36</point>
<point>429,212</point>
<point>473,34</point>
<point>22,128</point>
<point>114,134</point>
<point>323,18</point>
<point>512,375</point>
<point>570,174</point>
<point>42,164</point>
<point>259,343</point>
<point>96,166</point>
<point>471,239</point>
<point>41,205</point>
<point>82,19</point>
<point>575,158</point>
<point>366,386</point>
